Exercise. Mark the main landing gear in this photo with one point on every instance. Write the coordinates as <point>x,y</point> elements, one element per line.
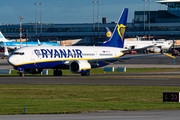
<point>57,72</point>
<point>85,74</point>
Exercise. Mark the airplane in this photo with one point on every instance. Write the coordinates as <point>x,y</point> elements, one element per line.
<point>14,45</point>
<point>79,59</point>
<point>159,45</point>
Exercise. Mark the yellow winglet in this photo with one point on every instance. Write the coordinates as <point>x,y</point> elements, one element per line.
<point>170,55</point>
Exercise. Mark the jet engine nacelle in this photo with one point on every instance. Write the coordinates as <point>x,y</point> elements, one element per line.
<point>157,50</point>
<point>33,71</point>
<point>80,66</point>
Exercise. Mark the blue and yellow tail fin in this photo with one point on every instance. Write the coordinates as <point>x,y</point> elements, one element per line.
<point>108,33</point>
<point>117,39</point>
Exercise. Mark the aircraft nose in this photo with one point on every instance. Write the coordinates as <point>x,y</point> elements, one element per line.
<point>11,60</point>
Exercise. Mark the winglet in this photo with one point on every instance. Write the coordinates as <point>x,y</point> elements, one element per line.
<point>170,48</point>
<point>166,53</point>
<point>170,55</point>
<point>117,39</point>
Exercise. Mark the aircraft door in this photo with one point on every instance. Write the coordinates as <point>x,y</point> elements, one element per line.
<point>17,58</point>
<point>96,53</point>
<point>115,52</point>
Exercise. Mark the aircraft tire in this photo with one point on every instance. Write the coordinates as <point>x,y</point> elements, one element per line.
<point>82,74</point>
<point>55,73</point>
<point>21,74</point>
<point>88,73</point>
<point>59,72</point>
<point>85,74</point>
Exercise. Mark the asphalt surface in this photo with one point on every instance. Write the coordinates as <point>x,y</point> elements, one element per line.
<point>105,79</point>
<point>115,79</point>
<point>102,115</point>
<point>90,80</point>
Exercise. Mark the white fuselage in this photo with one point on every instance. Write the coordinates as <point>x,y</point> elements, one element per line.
<point>50,56</point>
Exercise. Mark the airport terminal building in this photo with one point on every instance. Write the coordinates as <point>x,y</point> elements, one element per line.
<point>159,24</point>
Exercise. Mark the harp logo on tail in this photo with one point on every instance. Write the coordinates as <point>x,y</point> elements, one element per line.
<point>121,30</point>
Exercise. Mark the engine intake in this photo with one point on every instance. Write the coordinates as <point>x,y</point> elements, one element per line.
<point>80,66</point>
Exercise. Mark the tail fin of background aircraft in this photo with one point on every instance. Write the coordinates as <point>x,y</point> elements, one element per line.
<point>39,44</point>
<point>6,53</point>
<point>117,39</point>
<point>108,33</point>
<point>2,38</point>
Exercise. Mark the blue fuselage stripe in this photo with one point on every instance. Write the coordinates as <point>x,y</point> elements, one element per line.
<point>53,64</point>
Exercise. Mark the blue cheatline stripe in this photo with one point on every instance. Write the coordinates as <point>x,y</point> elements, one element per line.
<point>63,60</point>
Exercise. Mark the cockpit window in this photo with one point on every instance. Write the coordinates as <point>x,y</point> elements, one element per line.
<point>18,53</point>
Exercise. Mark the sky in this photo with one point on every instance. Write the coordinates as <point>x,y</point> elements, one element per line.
<point>70,11</point>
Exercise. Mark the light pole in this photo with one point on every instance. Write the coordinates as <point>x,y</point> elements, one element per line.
<point>41,17</point>
<point>144,17</point>
<point>98,19</point>
<point>149,19</point>
<point>36,16</point>
<point>20,30</point>
<point>93,20</point>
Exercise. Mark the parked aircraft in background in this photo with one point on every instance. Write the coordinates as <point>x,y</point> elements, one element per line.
<point>14,44</point>
<point>159,45</point>
<point>79,59</point>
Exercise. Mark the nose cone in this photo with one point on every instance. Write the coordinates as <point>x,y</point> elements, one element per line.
<point>11,60</point>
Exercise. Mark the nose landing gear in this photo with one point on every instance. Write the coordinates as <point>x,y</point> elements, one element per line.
<point>21,74</point>
<point>57,72</point>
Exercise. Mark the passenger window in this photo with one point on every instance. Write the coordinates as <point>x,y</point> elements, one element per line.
<point>16,53</point>
<point>21,53</point>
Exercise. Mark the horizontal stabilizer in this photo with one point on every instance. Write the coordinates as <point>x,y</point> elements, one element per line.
<point>127,50</point>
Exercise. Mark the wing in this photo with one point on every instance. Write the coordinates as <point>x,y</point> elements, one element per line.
<point>110,60</point>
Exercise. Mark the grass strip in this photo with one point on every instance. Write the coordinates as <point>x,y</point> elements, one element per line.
<point>52,99</point>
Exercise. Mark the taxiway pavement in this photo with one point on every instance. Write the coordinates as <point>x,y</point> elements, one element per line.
<point>102,115</point>
<point>105,79</point>
<point>115,79</point>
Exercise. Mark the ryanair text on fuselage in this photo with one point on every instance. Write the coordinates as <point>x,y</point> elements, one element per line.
<point>58,53</point>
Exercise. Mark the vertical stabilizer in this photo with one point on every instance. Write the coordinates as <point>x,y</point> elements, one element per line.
<point>108,33</point>
<point>6,53</point>
<point>2,38</point>
<point>39,44</point>
<point>117,39</point>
